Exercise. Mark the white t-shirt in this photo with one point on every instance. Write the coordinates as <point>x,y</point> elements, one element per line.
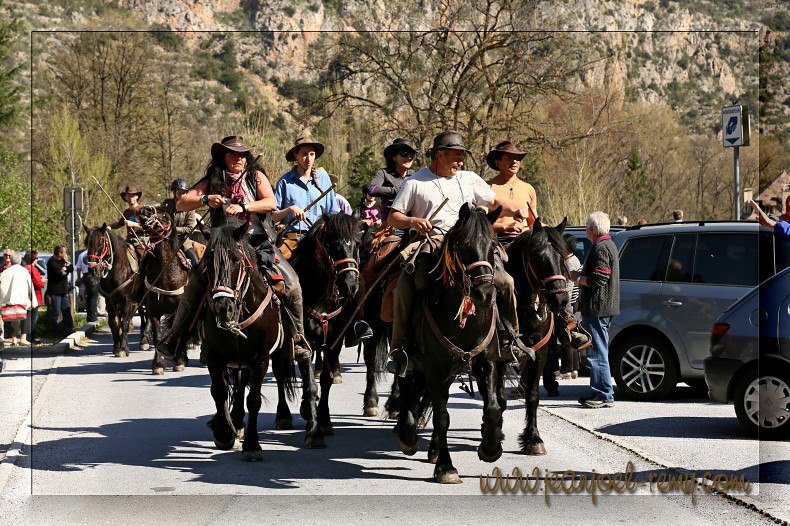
<point>82,263</point>
<point>423,191</point>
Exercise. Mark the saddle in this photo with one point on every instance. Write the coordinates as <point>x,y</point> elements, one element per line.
<point>383,249</point>
<point>288,244</point>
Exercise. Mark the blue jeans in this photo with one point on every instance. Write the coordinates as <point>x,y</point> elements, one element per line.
<point>598,356</point>
<point>60,304</point>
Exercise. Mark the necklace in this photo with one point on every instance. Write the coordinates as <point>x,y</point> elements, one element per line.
<point>510,192</point>
<point>461,201</point>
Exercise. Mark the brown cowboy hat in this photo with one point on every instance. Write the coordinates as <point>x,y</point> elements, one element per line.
<point>131,190</point>
<point>234,143</point>
<point>306,140</point>
<point>399,145</point>
<point>447,140</point>
<point>499,149</point>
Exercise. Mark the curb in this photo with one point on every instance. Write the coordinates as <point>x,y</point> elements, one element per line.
<point>70,342</point>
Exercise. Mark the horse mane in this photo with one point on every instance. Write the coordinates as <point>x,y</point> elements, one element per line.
<point>466,231</point>
<point>222,243</point>
<point>548,236</point>
<point>342,226</point>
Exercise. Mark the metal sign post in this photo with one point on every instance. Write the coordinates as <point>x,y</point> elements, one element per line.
<point>734,134</point>
<point>72,204</point>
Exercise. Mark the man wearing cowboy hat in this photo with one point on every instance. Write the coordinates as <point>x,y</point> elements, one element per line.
<point>417,200</point>
<point>184,222</point>
<point>387,182</point>
<point>506,159</point>
<point>134,234</point>
<point>302,185</point>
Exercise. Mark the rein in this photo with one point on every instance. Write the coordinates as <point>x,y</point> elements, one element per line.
<point>106,250</point>
<point>329,264</point>
<point>452,268</point>
<point>465,356</point>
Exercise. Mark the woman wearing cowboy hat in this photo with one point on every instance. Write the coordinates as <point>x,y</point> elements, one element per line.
<point>129,220</point>
<point>237,191</point>
<point>387,182</point>
<point>299,187</point>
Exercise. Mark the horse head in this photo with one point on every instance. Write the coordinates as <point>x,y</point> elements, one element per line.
<point>467,254</point>
<point>231,273</point>
<point>100,254</point>
<point>543,260</point>
<point>156,222</point>
<point>337,239</point>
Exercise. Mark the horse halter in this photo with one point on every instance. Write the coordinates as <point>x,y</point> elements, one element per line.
<point>540,285</point>
<point>156,229</point>
<point>236,294</point>
<point>330,265</point>
<point>106,250</point>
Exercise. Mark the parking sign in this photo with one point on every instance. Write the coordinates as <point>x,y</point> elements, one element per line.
<point>735,126</point>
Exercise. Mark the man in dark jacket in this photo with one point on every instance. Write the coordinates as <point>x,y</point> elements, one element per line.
<point>599,284</point>
<point>58,290</point>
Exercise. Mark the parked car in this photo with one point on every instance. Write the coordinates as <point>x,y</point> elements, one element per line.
<point>749,362</point>
<point>675,281</point>
<point>582,243</point>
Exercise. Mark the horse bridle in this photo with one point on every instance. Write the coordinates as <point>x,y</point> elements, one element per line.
<point>156,230</point>
<point>106,250</point>
<point>540,285</point>
<point>237,295</point>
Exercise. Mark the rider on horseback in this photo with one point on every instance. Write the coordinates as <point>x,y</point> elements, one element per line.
<point>237,191</point>
<point>183,220</point>
<point>422,197</point>
<point>134,230</point>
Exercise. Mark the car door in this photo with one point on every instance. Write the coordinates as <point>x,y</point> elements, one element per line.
<point>706,273</point>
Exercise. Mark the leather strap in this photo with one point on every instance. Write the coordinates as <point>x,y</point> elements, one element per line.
<point>257,314</point>
<point>163,292</point>
<point>465,356</point>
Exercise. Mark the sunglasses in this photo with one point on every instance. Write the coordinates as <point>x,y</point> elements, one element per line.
<point>406,153</point>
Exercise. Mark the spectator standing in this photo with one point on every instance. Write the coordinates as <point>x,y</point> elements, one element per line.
<point>599,284</point>
<point>621,221</point>
<point>570,357</point>
<point>677,215</point>
<point>6,260</point>
<point>58,290</point>
<point>16,298</point>
<point>89,287</point>
<point>38,287</point>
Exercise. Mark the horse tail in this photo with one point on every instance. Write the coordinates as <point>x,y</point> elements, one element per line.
<point>380,351</point>
<point>284,369</point>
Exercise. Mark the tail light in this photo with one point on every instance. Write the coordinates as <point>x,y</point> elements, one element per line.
<point>719,330</point>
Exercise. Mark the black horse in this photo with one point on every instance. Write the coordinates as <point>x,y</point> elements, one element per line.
<point>164,277</point>
<point>327,263</point>
<point>536,262</point>
<point>241,329</point>
<point>454,332</point>
<point>108,259</point>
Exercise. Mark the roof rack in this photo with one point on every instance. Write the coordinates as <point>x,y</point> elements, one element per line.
<point>698,223</point>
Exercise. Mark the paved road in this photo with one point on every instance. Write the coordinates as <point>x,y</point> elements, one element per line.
<point>111,442</point>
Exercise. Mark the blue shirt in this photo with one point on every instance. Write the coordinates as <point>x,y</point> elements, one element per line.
<point>290,190</point>
<point>782,230</point>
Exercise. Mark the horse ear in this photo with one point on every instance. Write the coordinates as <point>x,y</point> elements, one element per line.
<point>103,227</point>
<point>494,214</point>
<point>86,229</point>
<point>537,226</point>
<point>240,232</point>
<point>465,212</point>
<point>562,225</point>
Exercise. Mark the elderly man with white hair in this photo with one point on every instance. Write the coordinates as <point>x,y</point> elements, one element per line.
<point>599,283</point>
<point>16,298</point>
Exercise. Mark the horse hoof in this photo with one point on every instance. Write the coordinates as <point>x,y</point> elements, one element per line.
<point>433,457</point>
<point>226,445</point>
<point>481,454</point>
<point>283,424</point>
<point>337,379</point>
<point>252,456</point>
<point>371,411</point>
<point>178,368</point>
<point>144,346</point>
<point>421,423</point>
<point>393,415</point>
<point>314,442</point>
<point>158,370</point>
<point>534,449</point>
<point>328,430</point>
<point>126,352</point>
<point>409,450</point>
<point>446,475</point>
<point>118,353</point>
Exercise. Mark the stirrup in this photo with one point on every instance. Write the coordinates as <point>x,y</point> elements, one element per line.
<point>395,366</point>
<point>360,332</point>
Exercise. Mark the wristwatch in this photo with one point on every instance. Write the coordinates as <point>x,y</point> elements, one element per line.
<point>244,207</point>
<point>204,199</point>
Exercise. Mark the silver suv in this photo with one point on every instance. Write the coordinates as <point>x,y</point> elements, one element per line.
<point>675,281</point>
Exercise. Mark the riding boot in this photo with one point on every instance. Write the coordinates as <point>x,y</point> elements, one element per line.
<point>408,285</point>
<point>509,343</point>
<point>567,333</point>
<point>186,312</point>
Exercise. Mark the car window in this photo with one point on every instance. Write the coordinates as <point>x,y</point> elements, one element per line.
<point>582,248</point>
<point>644,258</point>
<point>727,259</point>
<point>681,261</point>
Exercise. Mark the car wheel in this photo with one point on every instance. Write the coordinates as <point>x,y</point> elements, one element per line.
<point>762,403</point>
<point>644,368</point>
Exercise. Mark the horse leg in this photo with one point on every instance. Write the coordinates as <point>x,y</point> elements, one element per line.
<point>490,448</point>
<point>403,403</point>
<point>282,418</point>
<point>370,400</point>
<point>308,409</point>
<point>237,412</point>
<point>181,358</point>
<point>319,362</point>
<point>529,439</point>
<point>331,360</point>
<point>444,472</point>
<point>145,329</point>
<point>112,320</point>
<point>220,423</point>
<point>126,321</point>
<point>158,364</point>
<point>251,449</point>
